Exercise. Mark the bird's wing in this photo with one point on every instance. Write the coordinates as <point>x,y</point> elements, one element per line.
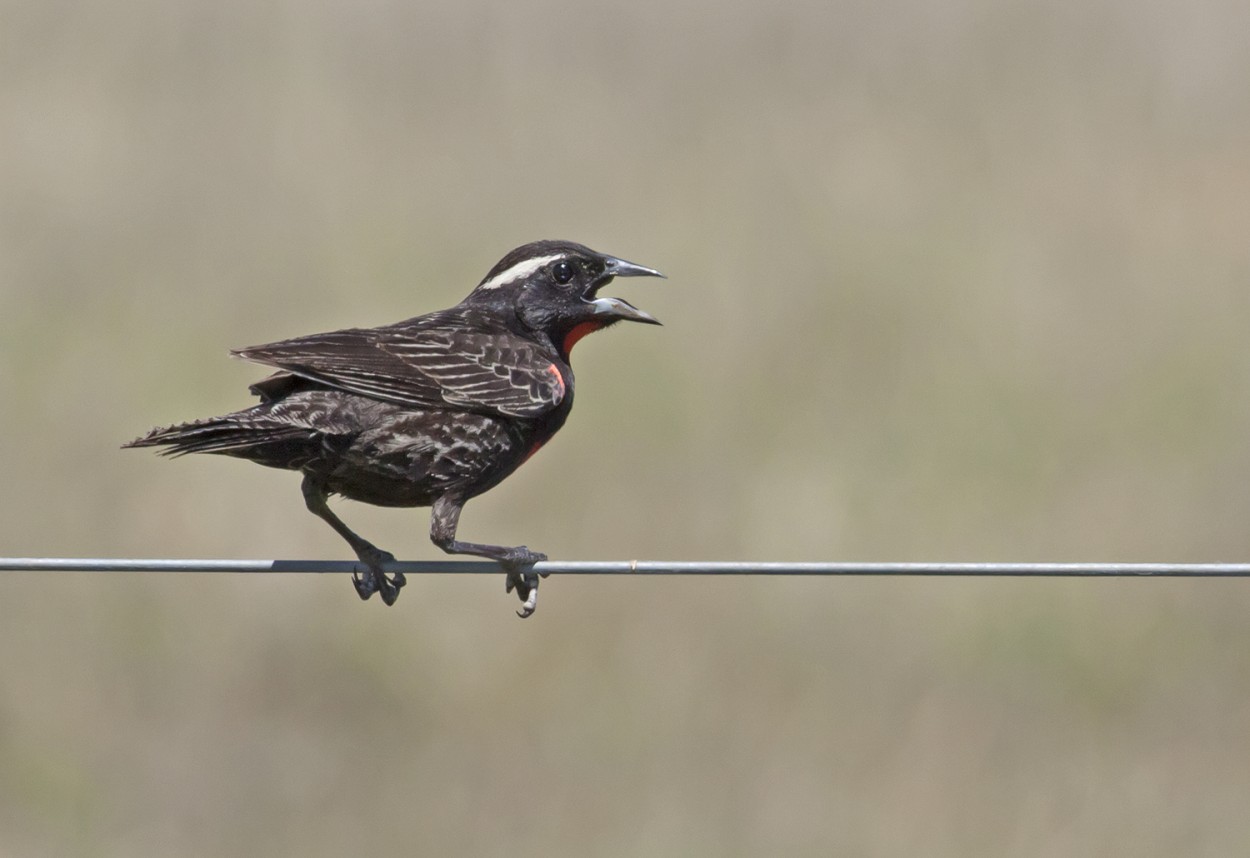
<point>426,364</point>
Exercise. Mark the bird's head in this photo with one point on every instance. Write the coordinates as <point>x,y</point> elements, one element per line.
<point>553,287</point>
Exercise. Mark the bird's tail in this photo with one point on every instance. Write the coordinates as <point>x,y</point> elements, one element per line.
<point>246,434</point>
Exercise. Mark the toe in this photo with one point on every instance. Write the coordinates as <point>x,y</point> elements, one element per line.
<point>364,586</point>
<point>529,605</point>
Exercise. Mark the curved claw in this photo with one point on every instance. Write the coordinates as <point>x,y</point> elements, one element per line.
<point>389,592</point>
<point>374,580</point>
<point>390,587</point>
<point>526,585</point>
<point>364,585</point>
<point>530,604</point>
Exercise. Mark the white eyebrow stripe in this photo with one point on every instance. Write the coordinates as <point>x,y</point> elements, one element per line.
<point>521,269</point>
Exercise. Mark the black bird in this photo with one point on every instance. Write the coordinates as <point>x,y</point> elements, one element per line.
<point>430,411</point>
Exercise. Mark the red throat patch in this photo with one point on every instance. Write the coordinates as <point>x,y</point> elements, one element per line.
<point>572,337</point>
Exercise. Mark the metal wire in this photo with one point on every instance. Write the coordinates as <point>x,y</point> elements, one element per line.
<point>641,567</point>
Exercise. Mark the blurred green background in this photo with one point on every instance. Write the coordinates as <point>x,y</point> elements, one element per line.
<point>948,281</point>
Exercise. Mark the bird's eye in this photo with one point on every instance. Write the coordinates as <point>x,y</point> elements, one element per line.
<point>562,272</point>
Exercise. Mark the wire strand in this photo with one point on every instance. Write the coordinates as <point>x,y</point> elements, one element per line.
<point>641,567</point>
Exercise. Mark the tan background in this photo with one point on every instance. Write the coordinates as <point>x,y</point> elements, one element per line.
<point>948,281</point>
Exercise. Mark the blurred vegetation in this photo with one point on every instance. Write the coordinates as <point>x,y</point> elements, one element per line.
<point>959,281</point>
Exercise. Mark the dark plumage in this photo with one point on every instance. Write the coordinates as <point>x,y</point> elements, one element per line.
<point>430,411</point>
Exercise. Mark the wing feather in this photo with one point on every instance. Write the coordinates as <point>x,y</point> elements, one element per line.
<point>429,362</point>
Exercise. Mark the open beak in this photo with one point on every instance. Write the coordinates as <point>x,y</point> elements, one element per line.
<point>615,308</point>
<point>618,310</point>
<point>614,267</point>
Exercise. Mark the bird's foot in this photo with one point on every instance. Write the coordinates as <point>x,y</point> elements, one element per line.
<point>525,582</point>
<point>519,566</point>
<point>374,580</point>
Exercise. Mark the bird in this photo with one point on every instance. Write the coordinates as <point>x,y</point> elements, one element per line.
<point>428,412</point>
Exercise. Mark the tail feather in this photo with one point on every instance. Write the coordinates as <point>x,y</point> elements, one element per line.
<point>233,435</point>
<point>290,431</point>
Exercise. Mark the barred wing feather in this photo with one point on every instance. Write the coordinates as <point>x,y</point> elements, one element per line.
<point>425,367</point>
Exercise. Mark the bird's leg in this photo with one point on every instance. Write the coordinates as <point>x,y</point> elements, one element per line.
<point>517,562</point>
<point>374,579</point>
